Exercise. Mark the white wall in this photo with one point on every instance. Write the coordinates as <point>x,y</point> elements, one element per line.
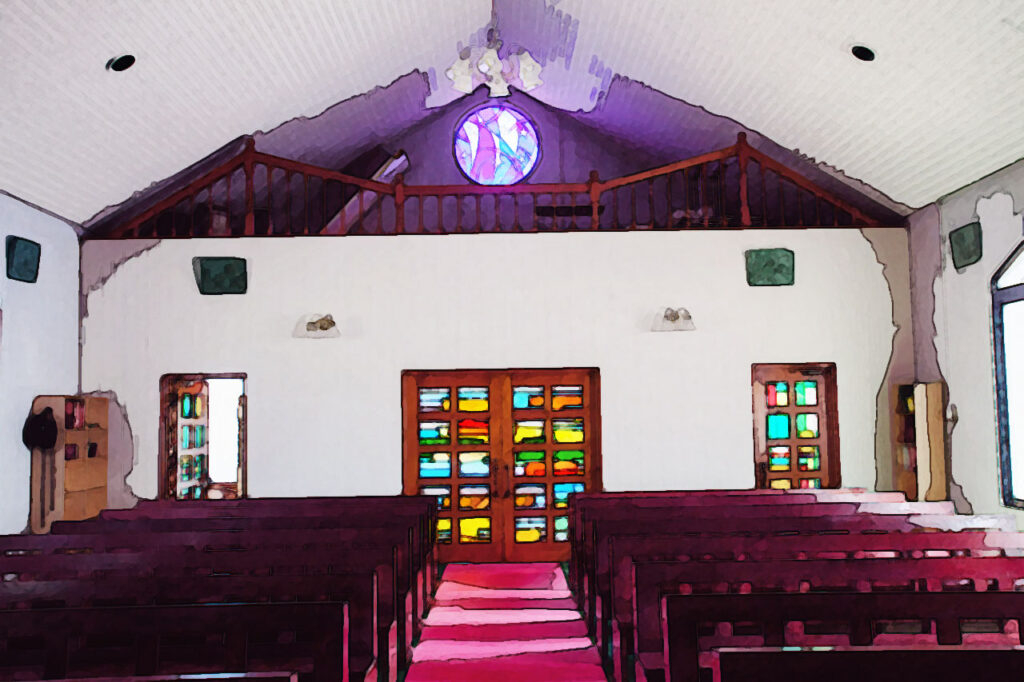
<point>39,344</point>
<point>325,414</point>
<point>963,320</point>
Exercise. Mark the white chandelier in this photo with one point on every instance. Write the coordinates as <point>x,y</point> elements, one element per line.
<point>481,66</point>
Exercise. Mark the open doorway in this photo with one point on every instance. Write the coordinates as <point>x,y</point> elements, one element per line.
<point>202,448</point>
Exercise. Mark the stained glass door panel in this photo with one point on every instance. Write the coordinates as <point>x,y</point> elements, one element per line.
<point>502,451</point>
<point>796,426</point>
<point>193,470</point>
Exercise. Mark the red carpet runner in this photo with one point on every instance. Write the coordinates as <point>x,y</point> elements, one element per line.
<point>494,622</point>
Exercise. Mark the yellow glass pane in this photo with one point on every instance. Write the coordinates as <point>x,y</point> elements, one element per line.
<point>475,529</point>
<point>780,483</point>
<point>531,431</point>
<point>473,399</point>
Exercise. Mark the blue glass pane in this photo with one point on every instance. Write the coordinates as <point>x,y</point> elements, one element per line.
<point>496,145</point>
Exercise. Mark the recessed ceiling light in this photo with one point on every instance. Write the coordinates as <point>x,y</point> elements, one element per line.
<point>865,54</point>
<point>120,63</point>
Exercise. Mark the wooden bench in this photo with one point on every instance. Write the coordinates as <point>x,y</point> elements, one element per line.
<point>861,613</point>
<point>655,579</point>
<point>306,638</point>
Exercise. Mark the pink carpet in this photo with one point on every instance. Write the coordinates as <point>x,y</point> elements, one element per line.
<point>504,622</point>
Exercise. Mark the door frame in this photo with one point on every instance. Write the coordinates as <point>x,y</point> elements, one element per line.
<point>499,383</point>
<point>830,472</point>
<point>167,472</point>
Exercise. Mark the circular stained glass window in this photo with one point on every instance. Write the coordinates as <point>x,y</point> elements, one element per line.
<point>496,145</point>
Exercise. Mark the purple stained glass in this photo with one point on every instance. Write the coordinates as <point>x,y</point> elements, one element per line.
<point>496,145</point>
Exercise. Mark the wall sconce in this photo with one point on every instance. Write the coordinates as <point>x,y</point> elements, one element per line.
<point>673,320</point>
<point>316,326</point>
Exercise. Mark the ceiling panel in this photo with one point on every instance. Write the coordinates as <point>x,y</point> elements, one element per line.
<point>938,108</point>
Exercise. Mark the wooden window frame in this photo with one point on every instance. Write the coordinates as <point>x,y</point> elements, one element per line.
<point>1000,298</point>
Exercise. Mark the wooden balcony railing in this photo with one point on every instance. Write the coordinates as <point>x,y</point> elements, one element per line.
<point>257,194</point>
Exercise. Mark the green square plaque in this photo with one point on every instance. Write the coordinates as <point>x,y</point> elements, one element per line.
<point>965,245</point>
<point>216,276</point>
<point>22,259</point>
<point>769,267</point>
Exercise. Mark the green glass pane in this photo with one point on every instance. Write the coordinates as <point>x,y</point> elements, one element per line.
<point>806,426</point>
<point>530,463</point>
<point>568,463</point>
<point>561,529</point>
<point>778,426</point>
<point>807,393</point>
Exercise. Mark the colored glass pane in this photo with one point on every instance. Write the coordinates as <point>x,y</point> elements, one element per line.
<point>530,463</point>
<point>531,431</point>
<point>531,528</point>
<point>568,463</point>
<point>444,531</point>
<point>474,464</point>
<point>810,482</point>
<point>186,406</point>
<point>527,397</point>
<point>806,426</point>
<point>531,496</point>
<point>496,145</point>
<point>567,430</point>
<point>186,437</point>
<point>474,497</point>
<point>561,529</point>
<point>435,465</point>
<point>443,493</point>
<point>778,426</point>
<point>200,467</point>
<point>475,529</point>
<point>435,433</point>
<point>473,432</point>
<point>806,392</point>
<point>435,399</point>
<point>777,394</point>
<point>197,406</point>
<point>778,458</point>
<point>780,484</point>
<point>187,466</point>
<point>473,399</point>
<point>808,458</point>
<point>566,397</point>
<point>562,491</point>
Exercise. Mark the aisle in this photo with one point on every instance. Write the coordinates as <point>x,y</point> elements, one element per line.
<point>504,622</point>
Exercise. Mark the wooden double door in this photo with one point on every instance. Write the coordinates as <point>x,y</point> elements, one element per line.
<point>502,451</point>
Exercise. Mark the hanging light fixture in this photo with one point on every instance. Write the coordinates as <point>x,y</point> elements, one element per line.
<point>483,66</point>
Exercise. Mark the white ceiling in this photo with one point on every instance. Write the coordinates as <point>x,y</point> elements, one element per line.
<point>940,106</point>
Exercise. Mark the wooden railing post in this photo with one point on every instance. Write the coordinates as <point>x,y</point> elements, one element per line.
<point>399,188</point>
<point>743,152</point>
<point>250,192</point>
<point>594,190</point>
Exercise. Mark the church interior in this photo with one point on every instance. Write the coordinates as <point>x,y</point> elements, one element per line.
<point>442,340</point>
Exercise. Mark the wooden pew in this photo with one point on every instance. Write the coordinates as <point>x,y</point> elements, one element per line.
<point>881,665</point>
<point>655,579</point>
<point>198,638</point>
<point>685,614</point>
<point>165,574</point>
<point>626,550</point>
<point>740,520</point>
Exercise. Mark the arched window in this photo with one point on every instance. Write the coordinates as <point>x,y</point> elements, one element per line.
<point>1008,333</point>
